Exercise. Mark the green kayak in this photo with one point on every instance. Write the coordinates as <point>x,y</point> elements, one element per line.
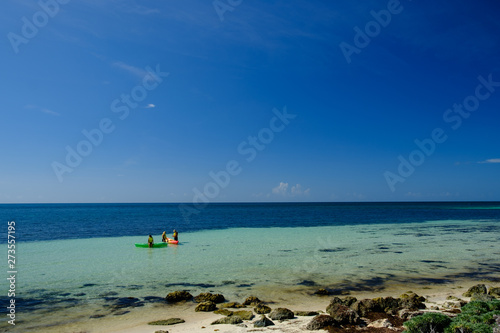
<point>154,244</point>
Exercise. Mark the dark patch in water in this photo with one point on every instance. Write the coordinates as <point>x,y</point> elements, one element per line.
<point>80,294</point>
<point>383,248</point>
<point>201,285</point>
<point>308,283</point>
<point>120,313</point>
<point>284,250</point>
<point>135,287</point>
<point>155,299</point>
<point>226,283</point>
<point>88,285</point>
<point>108,293</point>
<point>433,261</point>
<point>337,249</point>
<point>64,294</point>
<point>245,285</point>
<point>398,252</point>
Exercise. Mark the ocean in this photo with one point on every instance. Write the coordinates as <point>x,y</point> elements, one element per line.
<point>75,262</point>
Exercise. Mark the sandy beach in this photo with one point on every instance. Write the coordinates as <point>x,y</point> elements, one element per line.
<point>136,321</point>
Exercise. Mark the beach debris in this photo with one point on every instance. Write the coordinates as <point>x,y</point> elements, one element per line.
<point>232,320</point>
<point>252,301</point>
<point>320,322</point>
<point>477,289</point>
<point>263,322</point>
<point>206,307</point>
<point>209,297</point>
<point>161,331</point>
<point>262,308</point>
<point>306,313</point>
<point>342,314</point>
<point>281,314</point>
<point>170,321</point>
<point>178,296</point>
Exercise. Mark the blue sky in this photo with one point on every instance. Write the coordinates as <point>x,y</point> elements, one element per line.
<point>215,101</point>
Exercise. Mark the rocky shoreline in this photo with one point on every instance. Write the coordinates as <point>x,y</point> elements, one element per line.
<point>342,314</point>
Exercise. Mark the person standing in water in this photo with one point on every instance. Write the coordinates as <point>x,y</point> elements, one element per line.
<point>175,235</point>
<point>164,237</point>
<point>150,241</point>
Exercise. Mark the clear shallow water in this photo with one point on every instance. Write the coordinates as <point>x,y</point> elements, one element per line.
<point>71,279</point>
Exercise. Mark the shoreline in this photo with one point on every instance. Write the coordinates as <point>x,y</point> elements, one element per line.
<point>136,321</point>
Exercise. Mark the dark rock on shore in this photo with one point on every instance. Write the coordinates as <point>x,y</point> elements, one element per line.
<point>320,322</point>
<point>306,313</point>
<point>206,307</point>
<point>494,291</point>
<point>209,297</point>
<point>224,312</point>
<point>178,296</point>
<point>322,292</point>
<point>170,321</point>
<point>342,314</point>
<point>263,322</point>
<point>233,320</point>
<point>262,308</point>
<point>245,315</point>
<point>281,314</point>
<point>232,305</point>
<point>252,301</point>
<point>482,297</point>
<point>477,289</point>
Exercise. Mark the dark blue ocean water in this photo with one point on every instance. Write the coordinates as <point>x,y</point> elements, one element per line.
<point>71,221</point>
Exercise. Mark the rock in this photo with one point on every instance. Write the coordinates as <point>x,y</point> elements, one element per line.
<point>363,307</point>
<point>412,302</point>
<point>482,297</point>
<point>381,323</point>
<point>389,304</point>
<point>477,289</point>
<point>206,307</point>
<point>263,322</point>
<point>208,297</point>
<point>342,314</point>
<point>322,292</point>
<point>233,320</point>
<point>245,315</point>
<point>232,305</point>
<point>347,301</point>
<point>161,331</point>
<point>252,300</point>
<point>171,321</point>
<point>224,312</point>
<point>494,291</point>
<point>281,314</point>
<point>262,308</point>
<point>178,296</point>
<point>406,314</point>
<point>306,313</point>
<point>320,322</point>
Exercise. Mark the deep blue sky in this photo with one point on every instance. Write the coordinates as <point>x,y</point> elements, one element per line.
<point>348,124</point>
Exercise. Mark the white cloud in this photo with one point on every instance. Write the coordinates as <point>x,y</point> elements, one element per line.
<point>150,106</point>
<point>283,189</point>
<point>491,160</point>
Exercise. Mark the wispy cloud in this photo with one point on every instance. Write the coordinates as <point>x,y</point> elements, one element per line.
<point>283,189</point>
<point>491,160</point>
<point>150,106</point>
<point>136,71</point>
<point>41,109</point>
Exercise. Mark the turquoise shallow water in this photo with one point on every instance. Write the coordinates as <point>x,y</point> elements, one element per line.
<point>73,279</point>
